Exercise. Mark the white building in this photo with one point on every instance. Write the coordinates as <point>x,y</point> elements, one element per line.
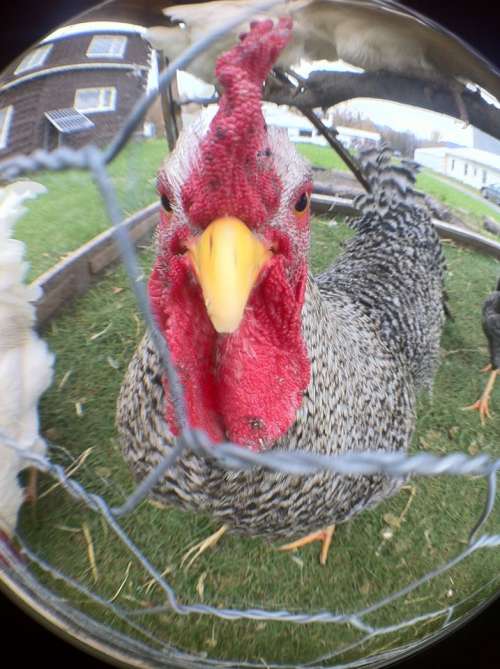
<point>433,157</point>
<point>300,129</point>
<point>478,139</point>
<point>474,167</point>
<point>356,138</point>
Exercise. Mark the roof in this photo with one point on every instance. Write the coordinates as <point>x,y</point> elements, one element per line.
<point>358,132</point>
<point>94,28</point>
<point>285,118</point>
<point>275,115</point>
<point>465,153</point>
<point>75,67</point>
<point>477,156</point>
<point>69,120</point>
<point>439,151</point>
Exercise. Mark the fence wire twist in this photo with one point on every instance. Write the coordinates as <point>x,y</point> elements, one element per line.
<point>226,455</point>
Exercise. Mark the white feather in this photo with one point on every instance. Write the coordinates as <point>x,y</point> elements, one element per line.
<point>25,361</point>
<point>365,33</point>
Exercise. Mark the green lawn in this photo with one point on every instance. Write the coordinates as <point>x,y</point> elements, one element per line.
<point>468,208</point>
<point>72,211</point>
<point>371,556</point>
<point>322,156</point>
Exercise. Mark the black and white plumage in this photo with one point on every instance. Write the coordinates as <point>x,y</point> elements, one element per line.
<point>371,323</point>
<point>409,314</point>
<point>330,364</point>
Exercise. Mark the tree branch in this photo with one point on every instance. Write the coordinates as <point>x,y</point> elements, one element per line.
<point>326,89</point>
<point>330,134</point>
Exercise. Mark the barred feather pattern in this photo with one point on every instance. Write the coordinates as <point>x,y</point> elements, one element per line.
<point>394,267</point>
<point>371,324</point>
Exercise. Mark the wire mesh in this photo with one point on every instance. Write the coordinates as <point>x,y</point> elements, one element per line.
<point>226,455</point>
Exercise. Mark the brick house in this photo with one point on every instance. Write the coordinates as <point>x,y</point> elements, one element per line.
<point>76,86</point>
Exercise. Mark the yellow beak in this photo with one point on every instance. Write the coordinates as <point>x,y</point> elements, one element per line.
<point>227,259</point>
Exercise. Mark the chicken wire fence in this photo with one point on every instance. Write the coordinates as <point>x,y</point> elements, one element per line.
<point>225,455</point>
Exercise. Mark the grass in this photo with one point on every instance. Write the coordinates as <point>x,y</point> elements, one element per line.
<point>467,207</point>
<point>322,156</point>
<point>464,204</point>
<point>371,556</point>
<point>72,211</point>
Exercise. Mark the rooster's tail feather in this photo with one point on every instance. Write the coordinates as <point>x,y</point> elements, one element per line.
<point>391,185</point>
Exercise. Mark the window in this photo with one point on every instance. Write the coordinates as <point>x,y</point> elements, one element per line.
<point>5,121</point>
<point>484,176</point>
<point>452,164</point>
<point>107,46</point>
<point>466,168</point>
<point>95,99</point>
<point>34,59</point>
<point>305,133</point>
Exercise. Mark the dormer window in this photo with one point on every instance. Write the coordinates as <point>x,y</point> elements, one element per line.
<point>107,46</point>
<point>34,59</point>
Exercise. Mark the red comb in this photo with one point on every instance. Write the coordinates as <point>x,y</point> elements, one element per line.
<point>229,177</point>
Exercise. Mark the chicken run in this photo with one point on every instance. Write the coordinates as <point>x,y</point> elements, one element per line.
<point>287,331</point>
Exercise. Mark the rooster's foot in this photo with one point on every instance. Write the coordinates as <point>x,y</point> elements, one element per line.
<point>322,535</point>
<point>201,547</point>
<point>482,404</point>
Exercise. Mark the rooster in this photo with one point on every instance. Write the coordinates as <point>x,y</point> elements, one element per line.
<point>491,328</point>
<point>271,358</point>
<point>26,365</point>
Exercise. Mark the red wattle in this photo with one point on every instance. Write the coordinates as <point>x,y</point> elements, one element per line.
<point>181,316</point>
<point>247,386</point>
<point>263,367</point>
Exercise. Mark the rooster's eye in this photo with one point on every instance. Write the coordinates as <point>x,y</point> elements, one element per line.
<point>165,203</point>
<point>302,202</point>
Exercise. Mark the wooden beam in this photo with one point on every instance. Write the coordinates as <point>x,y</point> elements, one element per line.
<point>328,88</point>
<point>172,119</point>
<point>74,275</point>
<point>336,206</point>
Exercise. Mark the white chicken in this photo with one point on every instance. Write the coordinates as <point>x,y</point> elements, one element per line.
<point>373,35</point>
<point>26,365</point>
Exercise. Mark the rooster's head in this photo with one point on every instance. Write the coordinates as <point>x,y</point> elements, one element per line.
<point>229,281</point>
